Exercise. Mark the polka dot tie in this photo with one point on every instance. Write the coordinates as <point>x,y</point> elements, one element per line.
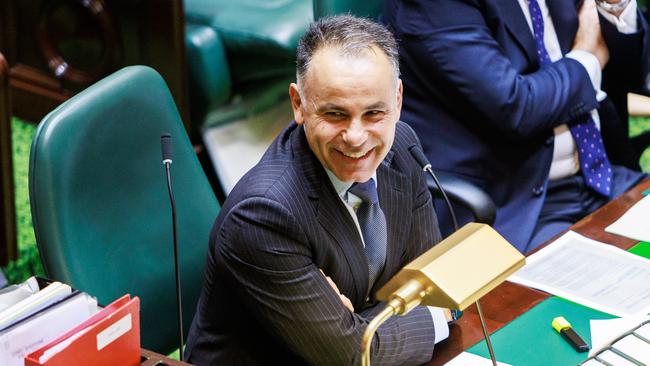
<point>373,227</point>
<point>594,164</point>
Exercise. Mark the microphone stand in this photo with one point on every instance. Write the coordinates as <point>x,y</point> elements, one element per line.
<point>486,335</point>
<point>167,162</point>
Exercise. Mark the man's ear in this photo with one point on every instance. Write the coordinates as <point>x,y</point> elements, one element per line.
<point>400,91</point>
<point>296,103</point>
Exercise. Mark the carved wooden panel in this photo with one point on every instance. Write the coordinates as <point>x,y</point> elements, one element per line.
<point>56,48</point>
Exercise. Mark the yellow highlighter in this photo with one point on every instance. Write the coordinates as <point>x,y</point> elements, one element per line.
<point>563,327</point>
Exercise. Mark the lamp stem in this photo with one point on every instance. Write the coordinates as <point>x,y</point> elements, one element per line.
<point>485,334</point>
<point>391,309</point>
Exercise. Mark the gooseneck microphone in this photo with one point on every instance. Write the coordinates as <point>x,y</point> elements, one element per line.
<point>166,144</point>
<point>422,160</point>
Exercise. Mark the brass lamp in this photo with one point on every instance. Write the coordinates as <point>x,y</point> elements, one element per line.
<point>453,274</point>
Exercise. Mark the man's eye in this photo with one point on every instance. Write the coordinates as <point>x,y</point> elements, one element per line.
<point>335,114</point>
<point>375,113</point>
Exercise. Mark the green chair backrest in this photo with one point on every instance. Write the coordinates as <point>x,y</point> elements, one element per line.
<point>369,8</point>
<point>100,205</point>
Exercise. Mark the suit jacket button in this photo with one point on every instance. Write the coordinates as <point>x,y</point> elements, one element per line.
<point>538,190</point>
<point>550,140</point>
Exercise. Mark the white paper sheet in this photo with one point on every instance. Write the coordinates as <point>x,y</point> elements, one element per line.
<point>470,359</point>
<point>590,273</point>
<point>644,331</point>
<point>604,331</point>
<point>635,348</point>
<point>614,359</point>
<point>635,223</point>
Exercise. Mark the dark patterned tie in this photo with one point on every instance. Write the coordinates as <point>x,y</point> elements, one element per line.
<point>373,227</point>
<point>594,164</point>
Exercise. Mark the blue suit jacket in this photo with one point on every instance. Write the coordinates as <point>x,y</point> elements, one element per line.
<point>264,299</point>
<point>485,111</point>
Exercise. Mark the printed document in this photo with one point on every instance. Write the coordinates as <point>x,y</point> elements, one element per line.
<point>591,273</point>
<point>634,223</point>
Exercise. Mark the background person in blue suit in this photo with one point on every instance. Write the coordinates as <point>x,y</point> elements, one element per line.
<point>498,90</point>
<point>296,218</point>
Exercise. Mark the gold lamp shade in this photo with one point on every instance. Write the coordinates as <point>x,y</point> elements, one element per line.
<point>456,272</point>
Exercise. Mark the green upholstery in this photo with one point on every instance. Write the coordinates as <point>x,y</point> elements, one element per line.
<point>100,205</point>
<point>369,8</point>
<point>260,35</point>
<point>209,75</point>
<point>236,47</point>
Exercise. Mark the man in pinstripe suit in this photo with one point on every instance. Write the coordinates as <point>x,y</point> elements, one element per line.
<point>287,276</point>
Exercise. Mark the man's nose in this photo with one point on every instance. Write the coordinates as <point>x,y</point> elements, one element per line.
<point>355,134</point>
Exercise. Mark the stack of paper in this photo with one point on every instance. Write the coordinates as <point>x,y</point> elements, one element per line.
<point>54,292</point>
<point>15,293</point>
<point>32,321</point>
<point>110,337</point>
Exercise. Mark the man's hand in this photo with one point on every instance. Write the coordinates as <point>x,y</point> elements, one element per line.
<point>344,299</point>
<point>589,37</point>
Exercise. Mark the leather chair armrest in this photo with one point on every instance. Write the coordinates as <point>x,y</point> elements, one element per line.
<point>209,73</point>
<point>465,194</point>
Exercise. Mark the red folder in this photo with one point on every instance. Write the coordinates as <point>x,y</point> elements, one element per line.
<point>110,337</point>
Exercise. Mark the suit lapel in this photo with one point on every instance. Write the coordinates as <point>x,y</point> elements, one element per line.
<point>332,215</point>
<point>334,218</point>
<point>515,20</point>
<point>565,20</point>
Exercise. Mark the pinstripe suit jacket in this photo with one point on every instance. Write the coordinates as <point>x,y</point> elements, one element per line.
<point>264,300</point>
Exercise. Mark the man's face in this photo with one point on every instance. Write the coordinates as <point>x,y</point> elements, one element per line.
<point>349,108</point>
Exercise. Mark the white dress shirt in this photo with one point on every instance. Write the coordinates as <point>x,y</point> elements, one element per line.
<point>565,156</point>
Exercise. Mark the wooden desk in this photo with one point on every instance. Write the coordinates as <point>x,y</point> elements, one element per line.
<point>149,358</point>
<point>509,300</point>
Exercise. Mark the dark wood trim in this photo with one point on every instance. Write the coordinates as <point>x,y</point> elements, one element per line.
<point>8,244</point>
<point>34,94</point>
<point>149,358</point>
<point>156,28</point>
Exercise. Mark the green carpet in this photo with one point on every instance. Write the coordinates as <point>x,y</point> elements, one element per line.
<point>28,262</point>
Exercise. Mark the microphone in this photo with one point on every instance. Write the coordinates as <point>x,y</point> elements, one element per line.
<point>166,145</point>
<point>422,160</point>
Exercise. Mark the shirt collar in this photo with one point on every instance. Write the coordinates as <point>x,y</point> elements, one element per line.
<point>342,187</point>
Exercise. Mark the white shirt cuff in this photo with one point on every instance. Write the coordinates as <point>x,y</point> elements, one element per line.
<point>591,64</point>
<point>439,323</point>
<point>626,23</point>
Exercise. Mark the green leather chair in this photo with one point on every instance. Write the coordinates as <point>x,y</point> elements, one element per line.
<point>239,49</point>
<point>368,8</point>
<point>100,205</point>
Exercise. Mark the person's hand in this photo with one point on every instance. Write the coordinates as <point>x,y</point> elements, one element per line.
<point>614,7</point>
<point>344,299</point>
<point>589,36</point>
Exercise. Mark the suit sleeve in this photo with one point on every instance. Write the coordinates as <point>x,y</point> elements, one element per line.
<point>452,49</point>
<point>266,252</point>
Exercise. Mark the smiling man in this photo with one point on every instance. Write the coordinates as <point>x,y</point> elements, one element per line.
<point>335,207</point>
